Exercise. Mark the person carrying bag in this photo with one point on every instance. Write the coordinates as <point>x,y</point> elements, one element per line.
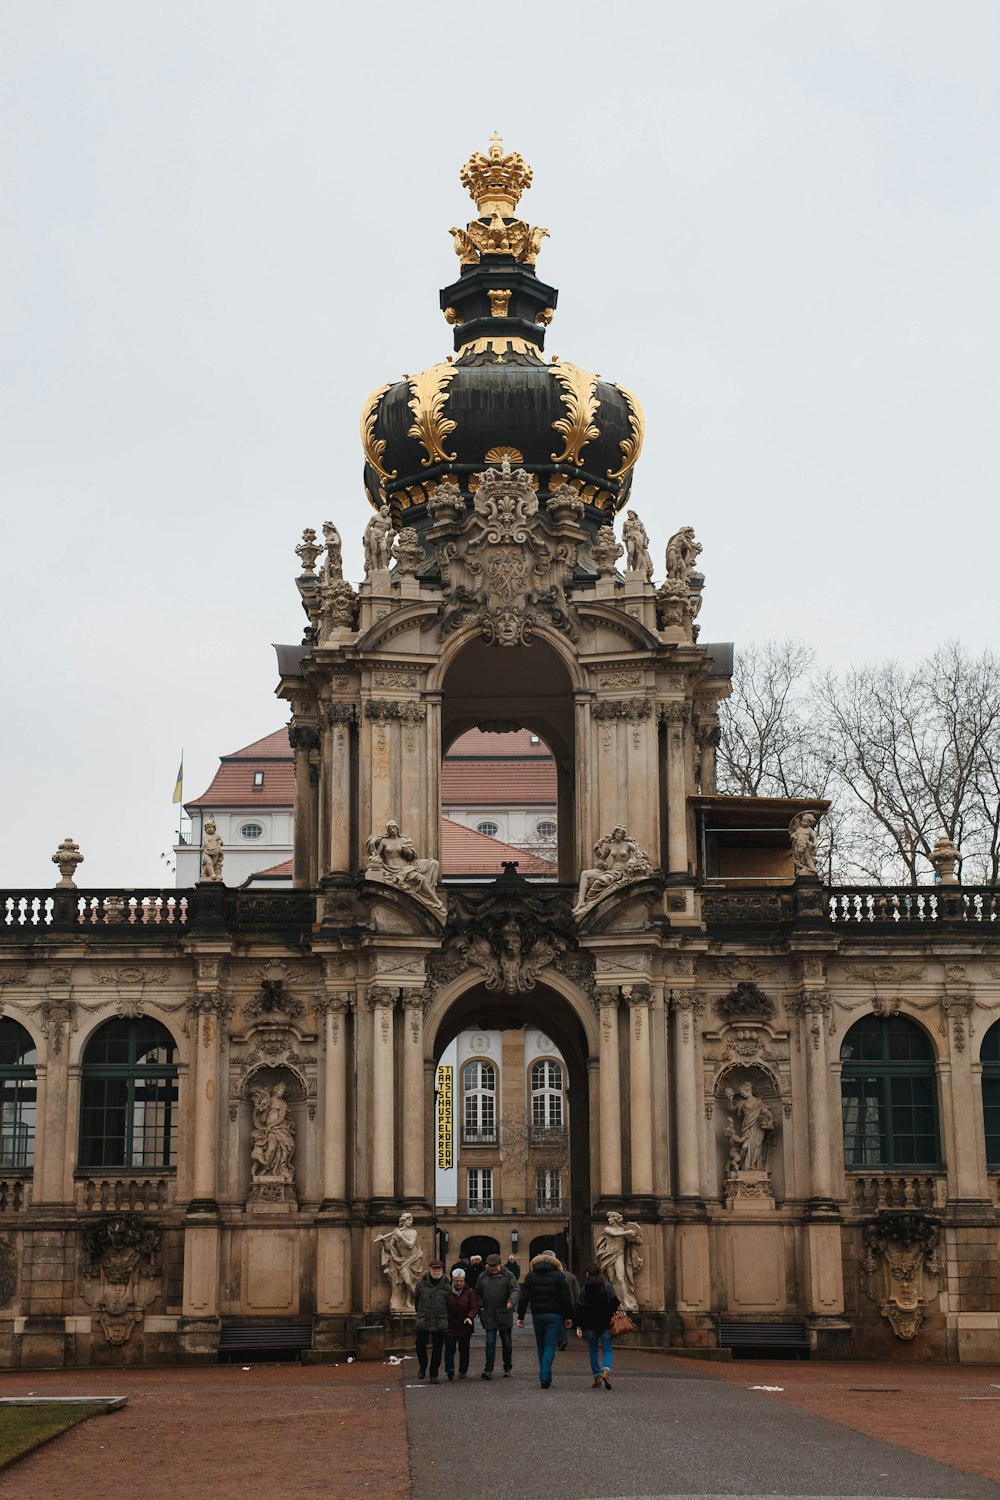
<point>595,1316</point>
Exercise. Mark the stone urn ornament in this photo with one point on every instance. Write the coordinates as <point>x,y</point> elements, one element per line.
<point>67,857</point>
<point>944,857</point>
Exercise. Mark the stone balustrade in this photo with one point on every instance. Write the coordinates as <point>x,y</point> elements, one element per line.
<point>869,1192</point>
<point>15,1194</point>
<point>105,1195</point>
<point>153,915</point>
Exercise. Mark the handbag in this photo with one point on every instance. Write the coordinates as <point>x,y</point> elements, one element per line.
<point>621,1323</point>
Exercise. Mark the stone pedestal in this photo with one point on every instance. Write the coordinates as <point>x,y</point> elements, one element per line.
<point>750,1193</point>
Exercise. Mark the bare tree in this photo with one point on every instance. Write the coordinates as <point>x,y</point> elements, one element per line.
<point>914,751</point>
<point>766,749</point>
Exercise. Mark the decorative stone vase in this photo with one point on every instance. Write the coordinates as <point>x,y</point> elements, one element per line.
<point>67,857</point>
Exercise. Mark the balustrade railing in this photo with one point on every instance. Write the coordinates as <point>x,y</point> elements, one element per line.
<point>478,1206</point>
<point>913,905</point>
<point>15,1194</point>
<point>871,1191</point>
<point>162,914</point>
<point>104,1195</point>
<point>479,1137</point>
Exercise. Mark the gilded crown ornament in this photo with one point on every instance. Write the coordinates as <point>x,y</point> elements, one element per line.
<point>496,182</point>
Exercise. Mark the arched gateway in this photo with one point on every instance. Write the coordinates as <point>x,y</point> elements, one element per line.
<point>712,1031</point>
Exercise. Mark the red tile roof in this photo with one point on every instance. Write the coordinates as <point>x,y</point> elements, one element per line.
<point>520,742</point>
<point>284,871</point>
<point>232,784</point>
<point>466,852</point>
<point>498,783</point>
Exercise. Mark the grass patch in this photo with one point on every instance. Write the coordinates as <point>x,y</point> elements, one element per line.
<point>23,1428</point>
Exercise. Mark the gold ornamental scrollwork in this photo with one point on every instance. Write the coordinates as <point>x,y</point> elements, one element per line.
<point>374,447</point>
<point>499,302</point>
<point>631,446</point>
<point>579,396</point>
<point>431,427</point>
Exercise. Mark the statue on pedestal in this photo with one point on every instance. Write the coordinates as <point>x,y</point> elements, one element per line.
<point>617,860</point>
<point>377,542</point>
<point>618,1256</point>
<point>402,1262</point>
<point>750,1143</point>
<point>393,859</point>
<point>802,832</point>
<point>636,539</point>
<point>211,853</point>
<point>273,1137</point>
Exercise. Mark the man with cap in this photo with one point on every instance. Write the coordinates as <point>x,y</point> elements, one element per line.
<point>495,1291</point>
<point>431,1297</point>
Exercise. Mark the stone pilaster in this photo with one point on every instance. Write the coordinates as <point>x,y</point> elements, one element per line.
<point>961,1086</point>
<point>609,1092</point>
<point>812,1006</point>
<point>341,716</point>
<point>675,717</point>
<point>332,1009</point>
<point>304,740</point>
<point>382,1004</point>
<point>640,1090</point>
<point>414,1187</point>
<point>686,1006</point>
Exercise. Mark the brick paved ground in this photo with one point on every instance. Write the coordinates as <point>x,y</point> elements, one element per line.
<point>269,1433</point>
<point>947,1412</point>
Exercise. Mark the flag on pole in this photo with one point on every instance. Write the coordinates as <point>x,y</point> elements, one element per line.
<point>179,783</point>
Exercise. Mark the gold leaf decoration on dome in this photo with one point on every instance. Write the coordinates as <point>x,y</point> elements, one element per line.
<point>504,454</point>
<point>631,446</point>
<point>431,426</point>
<point>579,396</point>
<point>496,181</point>
<point>374,447</point>
<point>498,237</point>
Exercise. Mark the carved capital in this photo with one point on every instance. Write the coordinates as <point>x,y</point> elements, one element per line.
<point>640,994</point>
<point>674,713</point>
<point>622,708</point>
<point>382,710</point>
<point>303,737</point>
<point>687,1002</point>
<point>381,997</point>
<point>608,996</point>
<point>341,714</point>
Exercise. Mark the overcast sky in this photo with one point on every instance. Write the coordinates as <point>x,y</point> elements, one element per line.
<point>225,223</point>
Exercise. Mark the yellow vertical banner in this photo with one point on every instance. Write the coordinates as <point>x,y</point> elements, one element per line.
<point>445,1154</point>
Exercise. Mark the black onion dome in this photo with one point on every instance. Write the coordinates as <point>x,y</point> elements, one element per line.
<point>497,397</point>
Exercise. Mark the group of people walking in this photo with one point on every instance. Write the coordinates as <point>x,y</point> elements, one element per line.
<point>447,1309</point>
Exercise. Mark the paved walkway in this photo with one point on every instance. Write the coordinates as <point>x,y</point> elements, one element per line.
<point>668,1428</point>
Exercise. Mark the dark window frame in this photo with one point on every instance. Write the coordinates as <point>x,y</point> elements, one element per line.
<point>102,1096</point>
<point>891,1093</point>
<point>991,1087</point>
<point>18,1098</point>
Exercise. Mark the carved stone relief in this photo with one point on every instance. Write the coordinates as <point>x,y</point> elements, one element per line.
<point>121,1272</point>
<point>745,1001</point>
<point>901,1264</point>
<point>272,1177</point>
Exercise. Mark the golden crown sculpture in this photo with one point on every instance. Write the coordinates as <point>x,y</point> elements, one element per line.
<point>496,182</point>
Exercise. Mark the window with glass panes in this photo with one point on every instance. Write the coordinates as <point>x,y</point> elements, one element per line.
<point>990,1058</point>
<point>548,1190</point>
<point>546,1095</point>
<point>479,1090</point>
<point>889,1095</point>
<point>480,1186</point>
<point>128,1104</point>
<point>18,1057</point>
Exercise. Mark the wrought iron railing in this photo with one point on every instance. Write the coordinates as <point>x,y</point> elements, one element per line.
<point>479,1206</point>
<point>479,1137</point>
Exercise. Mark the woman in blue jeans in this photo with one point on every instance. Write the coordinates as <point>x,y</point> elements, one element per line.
<point>594,1311</point>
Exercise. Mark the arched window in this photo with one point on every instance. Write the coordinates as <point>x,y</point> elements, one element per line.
<point>488,828</point>
<point>479,1087</point>
<point>889,1095</point>
<point>128,1110</point>
<point>18,1056</point>
<point>990,1056</point>
<point>546,1096</point>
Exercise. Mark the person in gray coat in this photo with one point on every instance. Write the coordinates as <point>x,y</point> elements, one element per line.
<point>430,1301</point>
<point>496,1290</point>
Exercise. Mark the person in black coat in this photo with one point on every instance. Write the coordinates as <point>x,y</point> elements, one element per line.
<point>594,1311</point>
<point>547,1294</point>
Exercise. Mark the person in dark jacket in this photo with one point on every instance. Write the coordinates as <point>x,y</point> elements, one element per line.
<point>496,1290</point>
<point>546,1293</point>
<point>462,1308</point>
<point>475,1270</point>
<point>574,1294</point>
<point>430,1301</point>
<point>594,1309</point>
<point>514,1267</point>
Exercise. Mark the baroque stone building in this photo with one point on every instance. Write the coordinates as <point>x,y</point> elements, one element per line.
<point>219,1104</point>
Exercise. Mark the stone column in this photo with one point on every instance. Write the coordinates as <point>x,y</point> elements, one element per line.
<point>304,740</point>
<point>640,1090</point>
<point>812,1005</point>
<point>58,1124</point>
<point>382,1003</point>
<point>333,1007</point>
<point>686,1006</point>
<point>610,1130</point>
<point>675,716</point>
<point>709,735</point>
<point>207,1011</point>
<point>341,856</point>
<point>414,1188</point>
<point>967,1177</point>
